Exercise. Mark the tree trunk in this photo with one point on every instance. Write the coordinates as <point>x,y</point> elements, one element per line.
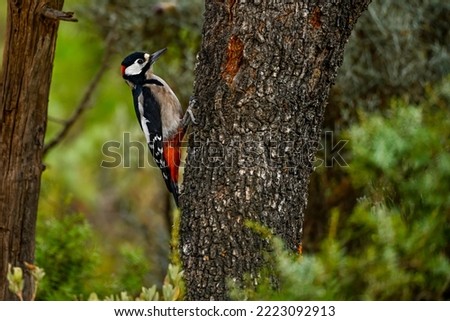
<point>26,75</point>
<point>265,69</point>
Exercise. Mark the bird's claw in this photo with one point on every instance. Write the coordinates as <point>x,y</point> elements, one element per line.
<point>189,115</point>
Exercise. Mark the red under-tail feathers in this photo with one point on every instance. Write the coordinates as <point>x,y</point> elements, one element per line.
<point>172,156</point>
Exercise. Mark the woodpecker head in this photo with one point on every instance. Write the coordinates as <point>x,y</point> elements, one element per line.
<point>135,66</point>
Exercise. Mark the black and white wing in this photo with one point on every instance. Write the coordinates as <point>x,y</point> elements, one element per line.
<point>149,117</point>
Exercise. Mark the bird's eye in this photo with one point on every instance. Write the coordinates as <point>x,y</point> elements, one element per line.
<point>140,61</point>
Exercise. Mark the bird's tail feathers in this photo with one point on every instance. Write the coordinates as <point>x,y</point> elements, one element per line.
<point>174,190</point>
<point>172,186</point>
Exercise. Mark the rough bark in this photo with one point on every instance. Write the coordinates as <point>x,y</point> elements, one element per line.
<point>26,75</point>
<point>262,81</point>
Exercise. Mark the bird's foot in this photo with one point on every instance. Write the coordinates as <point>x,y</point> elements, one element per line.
<point>189,117</point>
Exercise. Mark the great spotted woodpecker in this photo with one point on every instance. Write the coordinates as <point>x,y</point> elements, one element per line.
<point>158,112</point>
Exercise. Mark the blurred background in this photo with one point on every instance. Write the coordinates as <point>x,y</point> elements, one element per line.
<point>380,225</point>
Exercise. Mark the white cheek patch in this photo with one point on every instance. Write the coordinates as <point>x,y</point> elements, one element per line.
<point>134,69</point>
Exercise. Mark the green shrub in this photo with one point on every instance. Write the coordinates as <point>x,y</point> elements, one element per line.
<point>64,249</point>
<point>133,268</point>
<point>171,290</point>
<point>403,159</point>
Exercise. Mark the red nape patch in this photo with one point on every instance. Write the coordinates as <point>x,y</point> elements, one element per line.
<point>122,69</point>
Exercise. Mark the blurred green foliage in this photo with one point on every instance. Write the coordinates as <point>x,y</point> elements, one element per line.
<point>171,290</point>
<point>70,253</point>
<point>130,276</point>
<point>397,48</point>
<point>64,249</point>
<point>403,157</point>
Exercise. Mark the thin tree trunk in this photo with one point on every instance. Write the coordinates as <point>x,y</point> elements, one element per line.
<point>26,75</point>
<point>265,69</point>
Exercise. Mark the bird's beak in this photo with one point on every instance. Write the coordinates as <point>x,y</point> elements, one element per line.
<point>154,56</point>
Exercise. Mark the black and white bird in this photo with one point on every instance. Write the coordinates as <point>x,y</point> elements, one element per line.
<point>159,114</point>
